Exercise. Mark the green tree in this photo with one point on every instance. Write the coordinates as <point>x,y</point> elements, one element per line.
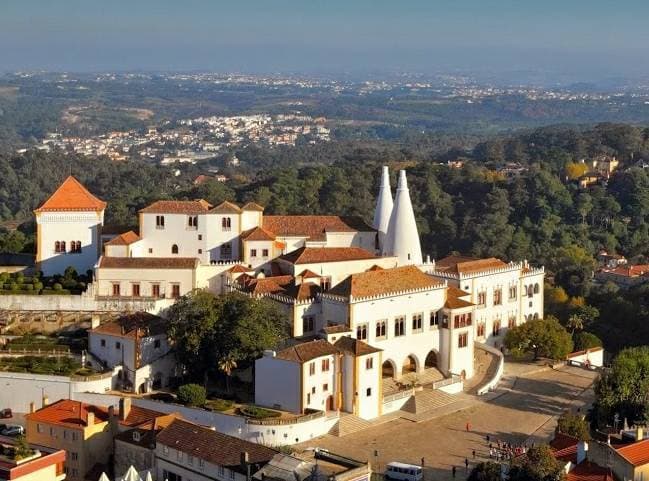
<point>542,337</point>
<point>586,340</point>
<point>485,472</point>
<point>226,366</point>
<point>574,425</point>
<point>539,464</point>
<point>21,448</point>
<point>192,395</point>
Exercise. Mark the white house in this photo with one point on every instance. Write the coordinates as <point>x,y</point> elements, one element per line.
<point>69,229</point>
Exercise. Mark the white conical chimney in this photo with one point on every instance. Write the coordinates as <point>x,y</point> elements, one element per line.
<point>402,239</point>
<point>383,208</point>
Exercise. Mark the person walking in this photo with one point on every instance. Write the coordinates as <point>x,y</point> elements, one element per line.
<point>466,464</point>
<point>473,454</point>
<point>454,470</point>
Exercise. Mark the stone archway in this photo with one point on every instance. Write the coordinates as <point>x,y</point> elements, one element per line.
<point>389,369</point>
<point>410,364</point>
<point>431,359</point>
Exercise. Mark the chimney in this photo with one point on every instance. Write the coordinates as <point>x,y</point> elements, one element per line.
<point>383,209</point>
<point>32,407</point>
<point>402,239</point>
<point>124,408</point>
<point>582,451</point>
<point>46,401</point>
<point>95,320</point>
<point>639,433</point>
<point>90,418</point>
<point>245,459</point>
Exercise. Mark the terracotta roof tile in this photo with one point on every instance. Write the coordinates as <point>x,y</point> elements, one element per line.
<point>139,416</point>
<point>148,262</point>
<point>304,291</point>
<point>562,441</point>
<point>336,329</point>
<point>189,207</point>
<point>313,227</point>
<point>257,234</point>
<point>316,255</point>
<point>308,274</point>
<point>226,208</point>
<point>127,324</point>
<point>636,453</point>
<point>466,265</point>
<point>253,206</point>
<point>386,281</point>
<point>454,298</point>
<point>212,446</point>
<point>307,351</point>
<point>354,346</point>
<point>72,196</point>
<point>587,471</point>
<point>264,285</point>
<point>73,414</point>
<point>125,239</point>
<point>239,268</point>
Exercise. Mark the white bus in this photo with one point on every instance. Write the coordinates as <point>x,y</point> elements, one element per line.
<point>404,472</point>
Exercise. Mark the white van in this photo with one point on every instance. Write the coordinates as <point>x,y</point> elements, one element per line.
<point>404,472</point>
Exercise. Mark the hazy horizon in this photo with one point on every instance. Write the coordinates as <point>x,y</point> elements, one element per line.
<point>573,41</point>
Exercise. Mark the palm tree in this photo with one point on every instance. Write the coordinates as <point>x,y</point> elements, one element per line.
<point>576,323</point>
<point>226,366</point>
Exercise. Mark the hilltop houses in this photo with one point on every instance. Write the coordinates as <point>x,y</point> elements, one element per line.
<point>368,314</point>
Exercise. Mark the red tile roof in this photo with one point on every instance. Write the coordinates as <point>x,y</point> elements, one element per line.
<point>189,207</point>
<point>72,196</point>
<point>239,268</point>
<point>466,265</point>
<point>127,325</point>
<point>264,285</point>
<point>308,274</point>
<point>317,255</point>
<point>212,446</point>
<point>386,281</point>
<point>562,441</point>
<point>127,238</point>
<point>147,262</point>
<point>72,414</point>
<point>629,271</point>
<point>587,471</point>
<point>636,453</point>
<point>355,347</point>
<point>253,206</point>
<point>141,417</point>
<point>226,208</point>
<point>307,351</point>
<point>257,234</point>
<point>313,227</point>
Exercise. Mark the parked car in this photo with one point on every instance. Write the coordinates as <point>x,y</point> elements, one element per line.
<point>6,413</point>
<point>13,430</point>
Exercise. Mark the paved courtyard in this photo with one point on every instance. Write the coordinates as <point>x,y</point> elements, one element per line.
<point>525,413</point>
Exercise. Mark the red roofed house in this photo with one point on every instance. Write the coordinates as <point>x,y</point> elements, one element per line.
<point>69,229</point>
<point>43,464</point>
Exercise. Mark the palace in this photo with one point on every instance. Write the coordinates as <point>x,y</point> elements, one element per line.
<point>368,313</point>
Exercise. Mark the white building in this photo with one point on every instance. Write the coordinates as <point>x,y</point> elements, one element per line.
<point>68,229</point>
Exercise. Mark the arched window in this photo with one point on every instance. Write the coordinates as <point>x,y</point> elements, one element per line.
<point>57,246</point>
<point>536,316</point>
<point>174,249</point>
<point>62,246</point>
<point>192,221</point>
<point>75,246</point>
<point>226,223</point>
<point>536,288</point>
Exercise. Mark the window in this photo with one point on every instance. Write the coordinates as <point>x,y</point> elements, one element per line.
<point>74,456</point>
<point>434,319</point>
<point>201,463</point>
<point>159,221</point>
<point>135,290</point>
<point>169,476</point>
<point>482,298</point>
<point>495,330</point>
<point>445,321</point>
<point>536,289</point>
<point>530,290</point>
<point>368,392</point>
<point>155,290</point>
<point>75,436</point>
<point>416,321</point>
<point>226,224</point>
<point>463,340</point>
<point>231,474</point>
<point>380,329</point>
<point>39,428</point>
<point>512,293</point>
<point>150,250</point>
<point>200,251</point>
<point>179,455</point>
<point>226,250</point>
<point>200,236</point>
<point>369,363</point>
<point>59,247</point>
<point>65,434</point>
<point>361,332</point>
<point>75,247</point>
<point>174,249</point>
<point>511,322</point>
<point>325,387</point>
<point>308,323</point>
<point>103,343</point>
<point>52,432</point>
<point>156,344</point>
<point>498,297</point>
<point>190,460</point>
<point>481,329</point>
<point>253,252</point>
<point>118,345</point>
<point>175,290</point>
<point>192,221</point>
<point>399,326</point>
<point>312,369</point>
<point>116,289</point>
<point>325,365</point>
<point>462,320</point>
<point>313,390</point>
<point>264,253</point>
<point>221,471</point>
<point>325,283</point>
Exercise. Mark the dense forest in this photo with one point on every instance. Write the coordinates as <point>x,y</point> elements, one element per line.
<point>539,215</point>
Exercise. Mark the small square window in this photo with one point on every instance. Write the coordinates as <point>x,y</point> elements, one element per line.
<point>150,250</point>
<point>156,344</point>
<point>313,390</point>
<point>368,392</point>
<point>103,343</point>
<point>118,345</point>
<point>200,251</point>
<point>200,237</point>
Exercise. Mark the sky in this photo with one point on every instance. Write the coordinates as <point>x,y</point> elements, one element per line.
<point>585,39</point>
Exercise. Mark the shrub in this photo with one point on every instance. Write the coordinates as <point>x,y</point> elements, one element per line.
<point>14,287</point>
<point>192,395</point>
<point>7,287</point>
<point>218,404</point>
<point>585,340</point>
<point>38,286</point>
<point>258,412</point>
<point>28,287</point>
<point>57,286</point>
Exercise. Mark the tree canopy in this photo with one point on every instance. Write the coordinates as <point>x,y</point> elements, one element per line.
<point>542,337</point>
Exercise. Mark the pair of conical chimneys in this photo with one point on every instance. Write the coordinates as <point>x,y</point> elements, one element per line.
<point>395,222</point>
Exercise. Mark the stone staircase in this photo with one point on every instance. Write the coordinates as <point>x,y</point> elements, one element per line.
<point>348,424</point>
<point>427,400</point>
